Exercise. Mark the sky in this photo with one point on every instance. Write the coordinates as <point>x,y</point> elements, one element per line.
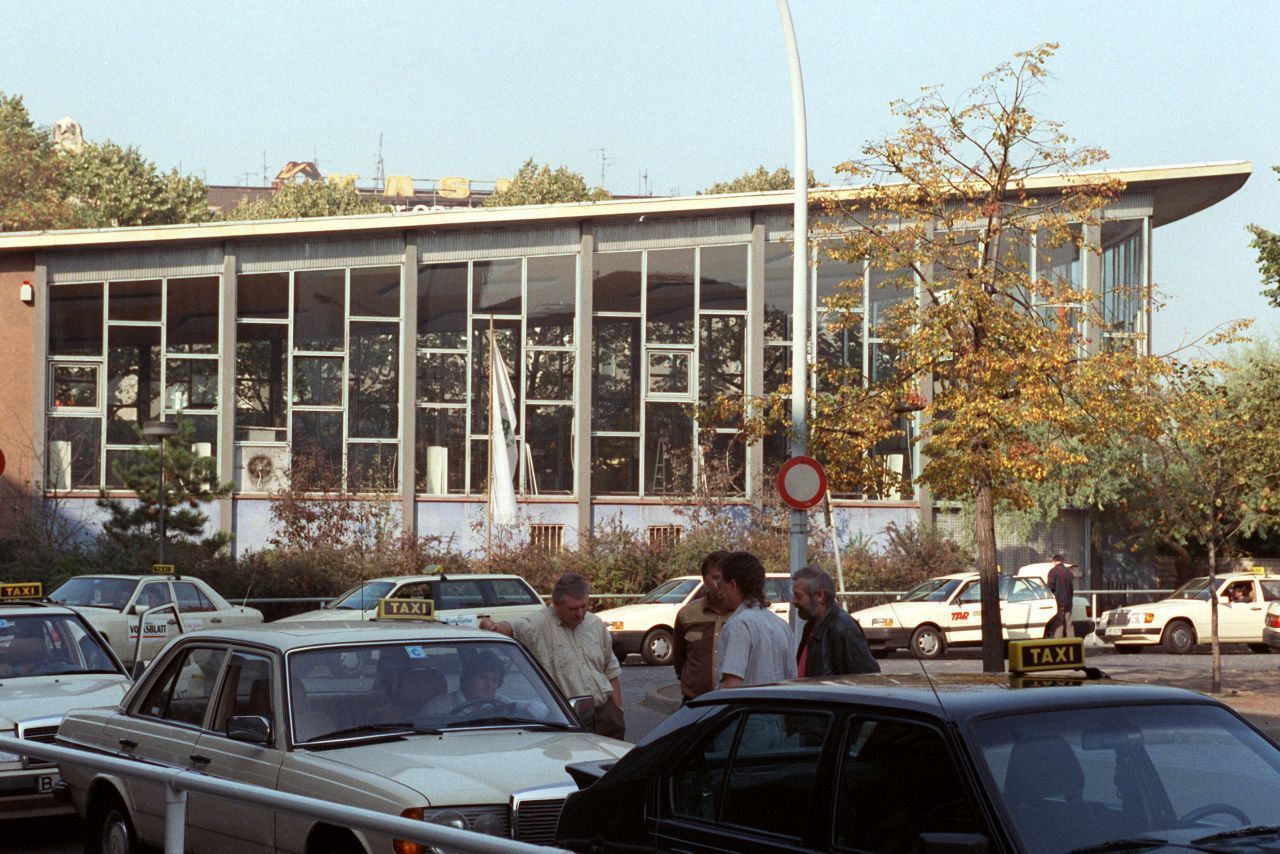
<point>669,97</point>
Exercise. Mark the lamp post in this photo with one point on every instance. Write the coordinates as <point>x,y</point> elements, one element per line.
<point>161,430</point>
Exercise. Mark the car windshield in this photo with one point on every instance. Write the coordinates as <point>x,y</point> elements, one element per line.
<point>87,591</point>
<point>350,691</point>
<point>1076,778</point>
<point>48,644</point>
<point>671,592</point>
<point>933,590</point>
<point>362,598</point>
<point>1196,588</point>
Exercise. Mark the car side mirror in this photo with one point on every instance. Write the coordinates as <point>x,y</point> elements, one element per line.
<point>1225,600</point>
<point>584,709</point>
<point>251,729</point>
<point>139,610</point>
<point>951,843</point>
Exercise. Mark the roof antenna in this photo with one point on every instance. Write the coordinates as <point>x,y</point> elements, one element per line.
<point>927,677</point>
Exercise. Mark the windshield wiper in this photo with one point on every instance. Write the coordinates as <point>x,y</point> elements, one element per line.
<point>1134,843</point>
<point>506,719</point>
<point>374,729</point>
<point>1241,833</point>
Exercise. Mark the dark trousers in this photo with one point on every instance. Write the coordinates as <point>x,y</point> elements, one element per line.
<point>608,720</point>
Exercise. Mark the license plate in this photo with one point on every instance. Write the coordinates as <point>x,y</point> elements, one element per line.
<point>44,783</point>
<point>1113,633</point>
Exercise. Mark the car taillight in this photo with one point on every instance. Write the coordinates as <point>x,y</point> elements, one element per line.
<point>404,846</point>
<point>1273,621</point>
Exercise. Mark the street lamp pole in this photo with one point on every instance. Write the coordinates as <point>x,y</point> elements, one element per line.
<point>799,286</point>
<point>161,430</point>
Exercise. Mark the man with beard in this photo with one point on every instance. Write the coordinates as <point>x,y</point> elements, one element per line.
<point>697,629</point>
<point>832,642</point>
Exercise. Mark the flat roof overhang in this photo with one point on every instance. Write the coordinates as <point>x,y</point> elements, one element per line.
<point>1178,191</point>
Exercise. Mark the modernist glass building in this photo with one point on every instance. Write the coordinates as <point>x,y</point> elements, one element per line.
<point>360,347</point>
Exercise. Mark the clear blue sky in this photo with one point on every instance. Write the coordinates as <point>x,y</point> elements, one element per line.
<point>688,92</point>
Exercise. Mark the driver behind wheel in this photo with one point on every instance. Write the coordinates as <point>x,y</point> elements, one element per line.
<point>482,675</point>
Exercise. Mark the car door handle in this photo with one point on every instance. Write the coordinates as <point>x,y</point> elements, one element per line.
<point>198,759</point>
<point>128,744</point>
<point>215,619</point>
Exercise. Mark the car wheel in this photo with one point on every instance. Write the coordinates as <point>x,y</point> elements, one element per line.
<point>1260,648</point>
<point>927,642</point>
<point>113,832</point>
<point>1179,638</point>
<point>1128,649</point>
<point>658,646</point>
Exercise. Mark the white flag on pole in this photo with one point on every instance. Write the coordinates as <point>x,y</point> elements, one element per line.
<point>502,437</point>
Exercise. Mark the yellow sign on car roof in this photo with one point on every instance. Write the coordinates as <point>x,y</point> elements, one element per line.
<point>1030,656</point>
<point>406,609</point>
<point>22,590</point>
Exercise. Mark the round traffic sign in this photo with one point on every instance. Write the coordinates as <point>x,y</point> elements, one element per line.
<point>802,482</point>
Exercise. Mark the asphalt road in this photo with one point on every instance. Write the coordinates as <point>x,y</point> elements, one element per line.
<point>1242,671</point>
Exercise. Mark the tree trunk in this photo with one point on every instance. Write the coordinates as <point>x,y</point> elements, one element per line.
<point>984,537</point>
<point>1215,647</point>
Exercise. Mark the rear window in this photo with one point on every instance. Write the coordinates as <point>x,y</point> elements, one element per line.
<point>509,591</point>
<point>88,592</point>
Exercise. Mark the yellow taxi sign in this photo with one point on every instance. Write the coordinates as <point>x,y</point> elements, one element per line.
<point>22,590</point>
<point>1027,656</point>
<point>162,569</point>
<point>1258,570</point>
<point>406,609</point>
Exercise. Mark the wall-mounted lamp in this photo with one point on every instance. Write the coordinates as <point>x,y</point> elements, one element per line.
<point>26,293</point>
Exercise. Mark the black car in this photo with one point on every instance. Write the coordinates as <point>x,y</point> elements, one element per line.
<point>959,763</point>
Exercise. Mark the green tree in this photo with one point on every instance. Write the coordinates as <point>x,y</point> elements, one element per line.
<point>540,185</point>
<point>1267,243</point>
<point>132,526</point>
<point>759,180</point>
<point>30,198</point>
<point>311,198</point>
<point>109,186</point>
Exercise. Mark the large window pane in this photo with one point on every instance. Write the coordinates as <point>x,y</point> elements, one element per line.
<point>374,387</point>
<point>264,295</point>
<point>191,384</point>
<point>133,380</point>
<point>669,291</point>
<point>117,461</point>
<point>839,341</point>
<point>317,380</point>
<point>134,300</point>
<point>507,333</point>
<point>74,386</point>
<point>496,286</point>
<point>778,291</point>
<point>192,309</point>
<point>317,450</point>
<point>550,375</point>
<point>442,306</point>
<point>442,451</point>
<point>616,281</point>
<point>375,292</point>
<point>721,356</point>
<point>887,289</point>
<point>442,377</point>
<point>777,367</point>
<point>552,302</point>
<point>319,309</point>
<point>724,465</point>
<point>75,320</point>
<point>616,373</point>
<point>669,372</point>
<point>261,381</point>
<point>549,436</point>
<point>1122,286</point>
<point>615,465</point>
<point>1058,258</point>
<point>73,456</point>
<point>722,274</point>
<point>372,466</point>
<point>668,449</point>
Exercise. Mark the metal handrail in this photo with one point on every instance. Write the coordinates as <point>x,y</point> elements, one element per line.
<point>179,781</point>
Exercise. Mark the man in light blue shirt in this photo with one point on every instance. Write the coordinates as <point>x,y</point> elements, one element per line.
<point>755,644</point>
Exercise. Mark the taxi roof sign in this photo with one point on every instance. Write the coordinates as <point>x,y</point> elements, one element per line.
<point>22,590</point>
<point>406,609</point>
<point>1030,656</point>
<point>162,569</point>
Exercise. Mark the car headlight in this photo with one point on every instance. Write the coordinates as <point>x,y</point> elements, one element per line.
<point>887,622</point>
<point>615,626</point>
<point>488,821</point>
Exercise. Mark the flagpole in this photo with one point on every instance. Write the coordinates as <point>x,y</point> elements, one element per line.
<point>488,547</point>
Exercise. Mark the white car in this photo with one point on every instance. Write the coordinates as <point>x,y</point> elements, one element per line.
<point>114,605</point>
<point>645,626</point>
<point>1081,610</point>
<point>1271,629</point>
<point>946,611</point>
<point>1181,621</point>
<point>458,599</point>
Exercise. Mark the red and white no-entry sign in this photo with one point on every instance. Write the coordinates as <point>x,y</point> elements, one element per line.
<point>802,482</point>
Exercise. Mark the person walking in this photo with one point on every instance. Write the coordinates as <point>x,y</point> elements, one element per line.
<point>754,645</point>
<point>832,642</point>
<point>574,647</point>
<point>1062,586</point>
<point>697,629</point>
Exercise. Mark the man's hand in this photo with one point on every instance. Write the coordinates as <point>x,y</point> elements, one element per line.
<point>729,681</point>
<point>502,627</point>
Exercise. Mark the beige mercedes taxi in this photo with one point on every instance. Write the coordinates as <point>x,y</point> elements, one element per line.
<point>51,661</point>
<point>457,599</point>
<point>416,719</point>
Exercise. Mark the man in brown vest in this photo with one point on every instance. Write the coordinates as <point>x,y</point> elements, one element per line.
<point>697,628</point>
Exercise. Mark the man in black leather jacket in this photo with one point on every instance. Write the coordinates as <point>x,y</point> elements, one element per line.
<point>832,642</point>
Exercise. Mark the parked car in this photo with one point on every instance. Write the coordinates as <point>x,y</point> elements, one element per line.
<point>369,714</point>
<point>1271,628</point>
<point>51,661</point>
<point>947,611</point>
<point>1182,620</point>
<point>457,599</point>
<point>908,763</point>
<point>645,626</point>
<point>115,604</point>
<point>1081,610</point>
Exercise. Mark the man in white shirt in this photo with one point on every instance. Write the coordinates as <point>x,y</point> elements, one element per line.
<point>754,645</point>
